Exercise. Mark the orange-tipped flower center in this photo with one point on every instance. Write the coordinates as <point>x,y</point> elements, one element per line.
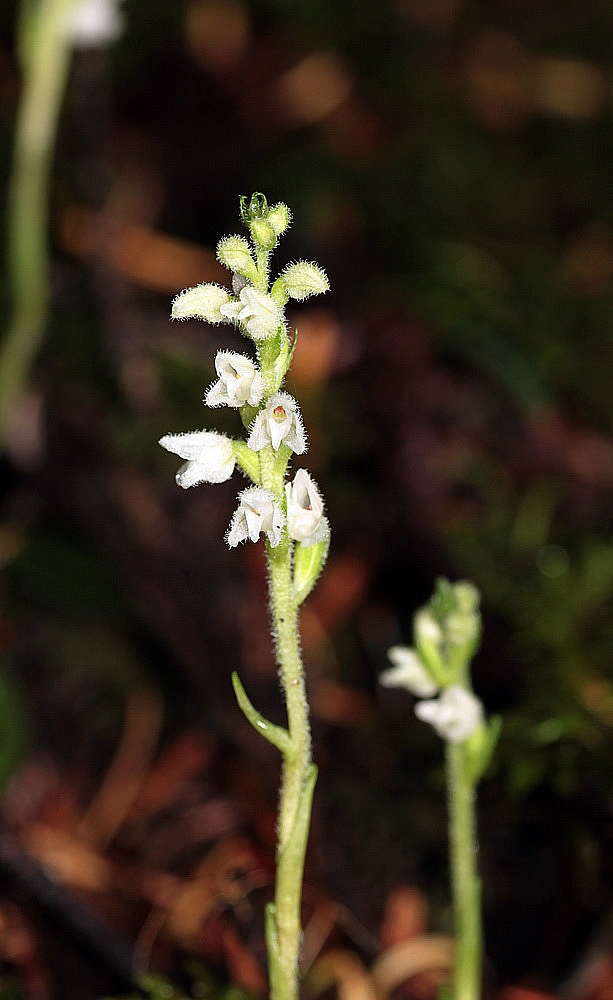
<point>279,413</point>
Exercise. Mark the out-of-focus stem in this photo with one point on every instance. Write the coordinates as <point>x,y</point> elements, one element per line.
<point>45,47</point>
<point>465,880</point>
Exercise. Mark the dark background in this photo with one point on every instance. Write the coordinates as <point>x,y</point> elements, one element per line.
<point>449,164</point>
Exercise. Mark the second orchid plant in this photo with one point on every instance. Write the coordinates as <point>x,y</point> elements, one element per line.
<point>290,516</point>
<point>446,633</point>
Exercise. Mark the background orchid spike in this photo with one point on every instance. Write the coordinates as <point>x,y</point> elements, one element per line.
<point>296,544</point>
<point>447,630</point>
<point>446,633</point>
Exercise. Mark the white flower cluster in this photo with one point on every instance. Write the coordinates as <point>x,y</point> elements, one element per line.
<point>445,632</point>
<point>455,714</point>
<point>273,416</point>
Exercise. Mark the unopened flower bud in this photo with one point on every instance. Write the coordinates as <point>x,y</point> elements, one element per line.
<point>263,234</point>
<point>201,302</point>
<point>233,252</point>
<point>301,280</point>
<point>280,218</point>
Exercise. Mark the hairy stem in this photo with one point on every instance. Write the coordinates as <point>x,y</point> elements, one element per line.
<point>298,774</point>
<point>466,884</point>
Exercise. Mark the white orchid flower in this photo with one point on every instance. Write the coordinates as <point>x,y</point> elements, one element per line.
<point>210,457</point>
<point>455,714</point>
<point>279,421</point>
<point>239,382</point>
<point>408,672</point>
<point>257,512</point>
<point>306,522</point>
<point>256,311</point>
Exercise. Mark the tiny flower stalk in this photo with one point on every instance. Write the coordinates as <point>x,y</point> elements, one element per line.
<point>289,515</point>
<point>446,635</point>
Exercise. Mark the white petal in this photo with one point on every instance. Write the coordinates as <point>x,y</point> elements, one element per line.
<point>210,457</point>
<point>296,438</point>
<point>237,531</point>
<point>257,512</point>
<point>254,523</point>
<point>455,714</point>
<point>230,310</point>
<point>408,672</point>
<point>217,395</point>
<point>257,389</point>
<point>188,445</point>
<point>258,438</point>
<point>276,529</point>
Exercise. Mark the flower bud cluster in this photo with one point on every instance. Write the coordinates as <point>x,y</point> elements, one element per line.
<point>446,632</point>
<point>285,513</point>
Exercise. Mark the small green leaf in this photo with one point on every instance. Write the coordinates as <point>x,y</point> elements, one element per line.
<point>480,748</point>
<point>276,735</point>
<point>309,560</point>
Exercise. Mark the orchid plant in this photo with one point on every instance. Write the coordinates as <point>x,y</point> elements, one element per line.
<point>446,634</point>
<point>289,515</point>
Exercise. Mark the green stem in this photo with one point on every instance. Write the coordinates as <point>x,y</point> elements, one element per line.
<point>45,47</point>
<point>298,774</point>
<point>466,884</point>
